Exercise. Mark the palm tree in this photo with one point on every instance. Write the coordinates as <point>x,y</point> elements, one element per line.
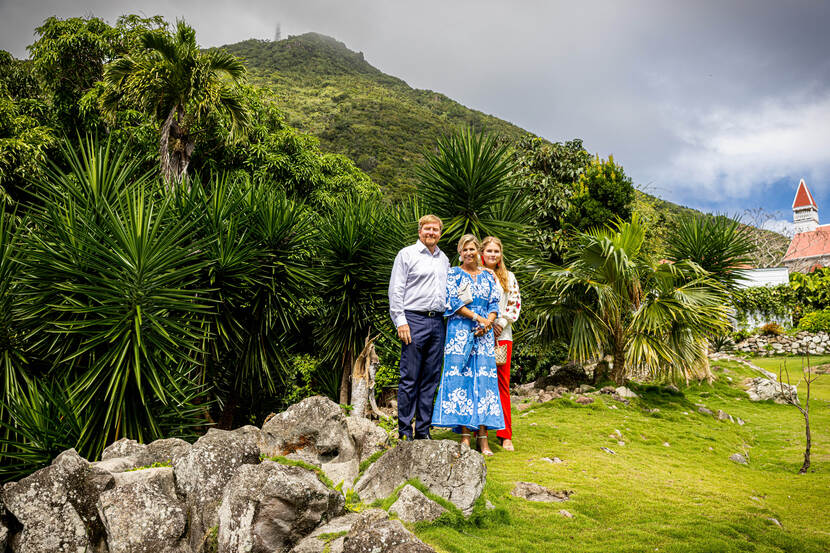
<point>612,297</point>
<point>468,181</point>
<point>179,85</point>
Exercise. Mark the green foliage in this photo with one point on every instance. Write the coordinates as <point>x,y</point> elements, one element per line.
<point>180,85</point>
<point>353,279</point>
<point>366,463</point>
<point>604,193</point>
<point>548,175</point>
<point>768,301</point>
<point>816,321</point>
<point>720,245</point>
<point>40,420</point>
<point>741,335</point>
<point>110,280</point>
<point>612,297</point>
<point>386,376</point>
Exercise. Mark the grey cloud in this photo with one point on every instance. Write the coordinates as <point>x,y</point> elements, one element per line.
<point>686,95</point>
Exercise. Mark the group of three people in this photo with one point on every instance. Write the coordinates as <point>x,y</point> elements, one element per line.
<point>480,300</point>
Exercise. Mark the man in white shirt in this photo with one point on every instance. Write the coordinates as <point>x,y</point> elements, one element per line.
<point>417,301</point>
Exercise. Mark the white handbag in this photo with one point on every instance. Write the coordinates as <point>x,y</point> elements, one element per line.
<point>501,354</point>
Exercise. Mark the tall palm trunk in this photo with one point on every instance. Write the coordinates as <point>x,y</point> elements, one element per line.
<point>174,163</point>
<point>618,374</point>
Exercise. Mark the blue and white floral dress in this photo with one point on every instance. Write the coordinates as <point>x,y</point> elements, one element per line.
<point>468,394</point>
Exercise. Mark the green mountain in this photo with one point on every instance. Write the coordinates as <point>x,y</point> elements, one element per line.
<point>377,120</point>
<point>382,123</point>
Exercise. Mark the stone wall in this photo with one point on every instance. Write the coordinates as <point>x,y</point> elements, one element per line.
<point>797,344</point>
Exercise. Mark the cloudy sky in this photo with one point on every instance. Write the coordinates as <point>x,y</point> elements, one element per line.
<point>718,105</point>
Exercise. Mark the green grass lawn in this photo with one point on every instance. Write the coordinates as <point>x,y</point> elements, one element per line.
<point>671,487</point>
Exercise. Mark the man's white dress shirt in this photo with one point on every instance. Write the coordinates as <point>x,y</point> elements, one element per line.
<point>418,282</point>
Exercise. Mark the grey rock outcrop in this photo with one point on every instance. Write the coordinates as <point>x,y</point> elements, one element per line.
<point>313,430</point>
<point>57,506</point>
<point>625,393</point>
<point>326,537</point>
<point>450,470</point>
<point>128,454</point>
<point>202,474</point>
<point>368,437</point>
<point>413,506</point>
<point>375,533</point>
<point>268,508</point>
<point>142,513</point>
<point>762,389</point>
<point>345,473</point>
<point>534,492</point>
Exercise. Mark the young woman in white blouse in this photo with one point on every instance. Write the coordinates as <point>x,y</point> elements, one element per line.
<point>509,307</point>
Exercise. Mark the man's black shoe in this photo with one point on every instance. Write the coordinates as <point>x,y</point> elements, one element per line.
<point>423,436</point>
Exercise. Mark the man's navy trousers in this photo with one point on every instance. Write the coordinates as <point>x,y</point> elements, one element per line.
<point>421,363</point>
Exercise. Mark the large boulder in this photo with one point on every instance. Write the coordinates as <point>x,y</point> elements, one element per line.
<point>328,537</point>
<point>373,532</point>
<point>56,506</point>
<point>368,437</point>
<point>313,430</point>
<point>414,506</point>
<point>203,472</point>
<point>268,508</point>
<point>142,513</point>
<point>126,454</point>
<point>762,389</point>
<point>4,530</point>
<point>450,470</point>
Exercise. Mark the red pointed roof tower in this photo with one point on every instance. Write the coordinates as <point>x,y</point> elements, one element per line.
<point>805,210</point>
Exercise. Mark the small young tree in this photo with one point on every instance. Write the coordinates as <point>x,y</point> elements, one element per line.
<point>808,377</point>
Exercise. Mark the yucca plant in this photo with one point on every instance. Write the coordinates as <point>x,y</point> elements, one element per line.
<point>612,298</point>
<point>468,181</point>
<point>109,289</point>
<point>13,355</point>
<point>256,249</point>
<point>354,278</point>
<point>720,245</point>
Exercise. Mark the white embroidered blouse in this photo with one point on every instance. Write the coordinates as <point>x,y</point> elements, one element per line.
<point>509,306</point>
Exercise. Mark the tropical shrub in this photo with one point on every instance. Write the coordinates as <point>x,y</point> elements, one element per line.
<point>815,321</point>
<point>613,298</point>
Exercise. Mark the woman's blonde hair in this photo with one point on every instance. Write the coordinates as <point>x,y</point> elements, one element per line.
<point>501,268</point>
<point>466,239</point>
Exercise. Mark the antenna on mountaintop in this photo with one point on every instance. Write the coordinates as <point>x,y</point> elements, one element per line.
<point>278,34</point>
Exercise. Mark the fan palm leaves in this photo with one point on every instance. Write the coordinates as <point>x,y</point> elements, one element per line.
<point>180,85</point>
<point>611,297</point>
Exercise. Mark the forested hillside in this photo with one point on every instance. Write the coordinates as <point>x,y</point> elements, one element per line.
<point>377,120</point>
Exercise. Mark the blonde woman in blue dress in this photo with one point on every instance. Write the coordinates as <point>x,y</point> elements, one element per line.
<point>468,395</point>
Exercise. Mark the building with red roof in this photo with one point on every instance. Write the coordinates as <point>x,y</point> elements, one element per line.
<point>810,247</point>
